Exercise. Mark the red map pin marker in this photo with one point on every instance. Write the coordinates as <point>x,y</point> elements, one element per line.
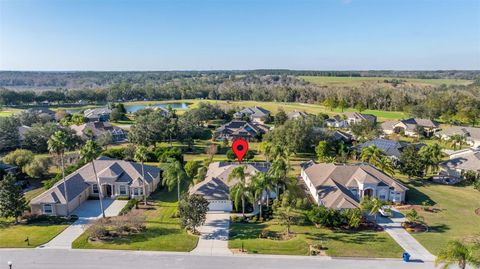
<point>240,147</point>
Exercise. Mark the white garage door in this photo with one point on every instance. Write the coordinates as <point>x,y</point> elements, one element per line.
<point>220,205</point>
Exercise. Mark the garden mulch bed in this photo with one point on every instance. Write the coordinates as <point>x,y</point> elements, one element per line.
<point>477,211</point>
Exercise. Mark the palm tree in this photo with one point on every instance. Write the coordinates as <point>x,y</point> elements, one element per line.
<point>57,144</point>
<point>266,148</point>
<point>457,140</point>
<point>432,156</point>
<point>240,189</point>
<point>174,175</point>
<point>372,155</point>
<point>141,156</point>
<point>386,165</point>
<point>371,205</point>
<point>279,172</point>
<point>89,152</point>
<point>457,253</point>
<point>261,183</point>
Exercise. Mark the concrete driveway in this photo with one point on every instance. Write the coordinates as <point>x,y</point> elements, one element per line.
<point>393,226</point>
<point>214,235</point>
<point>86,212</point>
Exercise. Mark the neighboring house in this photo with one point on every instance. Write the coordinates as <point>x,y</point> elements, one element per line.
<point>337,121</point>
<point>471,134</point>
<point>293,115</point>
<point>342,136</point>
<point>117,178</point>
<point>355,118</point>
<point>410,127</point>
<point>216,186</point>
<point>343,186</point>
<point>454,168</point>
<point>22,130</point>
<point>255,114</point>
<point>391,148</point>
<point>42,112</point>
<point>250,131</point>
<point>98,129</point>
<point>349,118</point>
<point>98,114</point>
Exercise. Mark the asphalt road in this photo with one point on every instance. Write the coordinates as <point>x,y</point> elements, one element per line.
<point>108,259</point>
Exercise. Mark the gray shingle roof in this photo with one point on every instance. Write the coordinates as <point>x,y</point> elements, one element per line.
<point>468,161</point>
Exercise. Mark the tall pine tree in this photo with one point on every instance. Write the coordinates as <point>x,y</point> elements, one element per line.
<point>12,201</point>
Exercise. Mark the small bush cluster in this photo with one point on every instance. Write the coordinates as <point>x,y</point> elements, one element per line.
<point>108,228</point>
<point>331,218</point>
<point>129,206</point>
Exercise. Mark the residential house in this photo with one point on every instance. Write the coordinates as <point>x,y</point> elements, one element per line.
<point>391,148</point>
<point>471,134</point>
<point>42,112</point>
<point>410,127</point>
<point>216,186</point>
<point>97,129</point>
<point>250,131</point>
<point>349,118</point>
<point>343,186</point>
<point>355,118</point>
<point>342,136</point>
<point>255,114</point>
<point>451,171</point>
<point>117,178</point>
<point>293,115</point>
<point>98,114</point>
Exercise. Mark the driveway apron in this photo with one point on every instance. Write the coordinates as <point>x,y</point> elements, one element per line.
<point>214,235</point>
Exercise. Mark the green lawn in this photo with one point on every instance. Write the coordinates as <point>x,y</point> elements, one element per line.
<point>358,244</point>
<point>13,236</point>
<point>7,112</point>
<point>456,219</point>
<point>356,81</point>
<point>163,231</point>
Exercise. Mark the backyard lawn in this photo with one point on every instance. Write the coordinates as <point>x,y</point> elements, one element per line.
<point>358,244</point>
<point>456,218</point>
<point>13,236</point>
<point>163,231</point>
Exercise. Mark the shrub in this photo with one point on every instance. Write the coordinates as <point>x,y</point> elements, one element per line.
<point>115,153</point>
<point>129,206</point>
<point>19,157</point>
<point>164,154</point>
<point>37,168</point>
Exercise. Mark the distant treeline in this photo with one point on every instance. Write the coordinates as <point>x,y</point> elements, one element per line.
<point>94,79</point>
<point>454,103</point>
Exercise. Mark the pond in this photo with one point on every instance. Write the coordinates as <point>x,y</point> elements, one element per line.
<point>135,108</point>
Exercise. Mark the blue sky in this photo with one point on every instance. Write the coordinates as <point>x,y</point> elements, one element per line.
<point>239,34</point>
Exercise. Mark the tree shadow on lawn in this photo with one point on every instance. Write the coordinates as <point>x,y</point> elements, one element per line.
<point>245,230</point>
<point>416,197</point>
<point>145,236</point>
<point>347,237</point>
<point>440,228</point>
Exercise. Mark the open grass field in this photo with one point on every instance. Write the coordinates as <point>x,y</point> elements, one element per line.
<point>355,81</point>
<point>358,244</point>
<point>456,218</point>
<point>13,236</point>
<point>163,232</point>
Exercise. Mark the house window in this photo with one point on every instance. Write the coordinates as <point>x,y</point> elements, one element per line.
<point>95,188</point>
<point>123,190</point>
<point>138,191</point>
<point>47,209</point>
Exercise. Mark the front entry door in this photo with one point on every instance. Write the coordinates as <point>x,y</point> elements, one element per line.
<point>108,190</point>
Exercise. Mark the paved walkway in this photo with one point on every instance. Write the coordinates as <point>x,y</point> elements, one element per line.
<point>86,212</point>
<point>214,235</point>
<point>393,226</point>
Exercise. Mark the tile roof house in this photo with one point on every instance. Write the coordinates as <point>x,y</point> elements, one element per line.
<point>216,186</point>
<point>460,163</point>
<point>255,114</point>
<point>98,114</point>
<point>117,178</point>
<point>410,127</point>
<point>471,134</point>
<point>98,129</point>
<point>343,186</point>
<point>42,111</point>
<point>250,131</point>
<point>337,121</point>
